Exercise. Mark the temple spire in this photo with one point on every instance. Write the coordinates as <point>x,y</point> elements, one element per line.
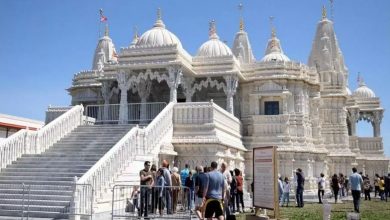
<point>159,22</point>
<point>213,30</point>
<point>273,30</point>
<point>135,29</point>
<point>106,31</point>
<point>323,12</point>
<point>240,7</point>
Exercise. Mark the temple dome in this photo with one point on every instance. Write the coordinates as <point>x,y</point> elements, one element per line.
<point>274,51</point>
<point>158,36</point>
<point>214,47</point>
<point>363,91</point>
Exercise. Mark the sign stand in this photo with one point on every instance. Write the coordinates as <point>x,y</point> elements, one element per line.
<point>265,179</point>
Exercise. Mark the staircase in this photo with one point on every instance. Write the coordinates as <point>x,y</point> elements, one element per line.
<point>50,175</point>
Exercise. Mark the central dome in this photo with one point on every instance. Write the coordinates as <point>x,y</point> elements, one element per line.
<point>214,47</point>
<point>363,91</point>
<point>158,36</point>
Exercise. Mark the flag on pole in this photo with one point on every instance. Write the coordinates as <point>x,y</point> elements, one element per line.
<point>102,17</point>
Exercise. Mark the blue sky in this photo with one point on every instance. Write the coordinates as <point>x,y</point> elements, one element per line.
<point>44,42</point>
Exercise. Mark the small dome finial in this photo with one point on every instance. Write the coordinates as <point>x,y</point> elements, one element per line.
<point>323,12</point>
<point>159,22</point>
<point>106,31</point>
<point>158,13</point>
<point>213,30</point>
<point>360,80</point>
<point>271,22</point>
<point>135,29</point>
<point>240,7</point>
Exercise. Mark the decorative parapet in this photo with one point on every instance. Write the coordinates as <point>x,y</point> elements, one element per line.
<point>205,122</point>
<point>54,112</point>
<point>371,145</point>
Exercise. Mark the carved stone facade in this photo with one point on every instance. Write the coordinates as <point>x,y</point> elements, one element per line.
<point>305,110</point>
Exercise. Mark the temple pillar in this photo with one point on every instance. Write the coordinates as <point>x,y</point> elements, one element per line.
<point>106,94</point>
<point>377,120</point>
<point>187,86</point>
<point>231,88</point>
<point>353,117</point>
<point>174,80</point>
<point>144,87</point>
<point>124,85</point>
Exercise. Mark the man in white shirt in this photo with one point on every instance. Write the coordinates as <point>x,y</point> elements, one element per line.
<point>321,187</point>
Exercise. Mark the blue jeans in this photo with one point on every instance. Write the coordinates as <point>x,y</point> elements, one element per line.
<point>285,196</point>
<point>190,198</point>
<point>144,201</point>
<point>299,197</point>
<point>356,199</point>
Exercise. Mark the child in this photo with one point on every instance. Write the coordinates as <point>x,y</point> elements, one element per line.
<point>286,192</point>
<point>134,197</point>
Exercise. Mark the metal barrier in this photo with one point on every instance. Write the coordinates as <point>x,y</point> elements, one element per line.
<point>137,113</point>
<point>47,201</point>
<point>134,201</point>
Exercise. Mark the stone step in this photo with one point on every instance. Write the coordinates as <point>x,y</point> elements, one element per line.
<point>43,173</point>
<point>44,187</point>
<point>15,192</point>
<point>33,214</point>
<point>57,159</point>
<point>53,164</point>
<point>48,171</point>
<point>65,155</point>
<point>34,208</point>
<point>33,201</point>
<point>33,178</point>
<point>36,182</point>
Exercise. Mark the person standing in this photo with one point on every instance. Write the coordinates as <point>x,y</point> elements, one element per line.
<point>335,187</point>
<point>200,182</point>
<point>190,188</point>
<point>286,192</point>
<point>176,184</point>
<point>167,186</point>
<point>233,192</point>
<point>381,185</point>
<point>213,195</point>
<point>240,191</point>
<point>387,186</point>
<point>367,188</point>
<point>300,187</point>
<point>356,185</point>
<point>184,173</point>
<point>376,183</point>
<point>146,182</point>
<point>280,188</point>
<point>321,187</point>
<point>228,180</point>
<point>341,185</point>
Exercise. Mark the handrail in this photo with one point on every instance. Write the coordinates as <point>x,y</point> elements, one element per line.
<point>35,142</point>
<point>103,172</point>
<point>133,143</point>
<point>58,128</point>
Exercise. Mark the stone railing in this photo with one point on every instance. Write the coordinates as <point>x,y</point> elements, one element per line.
<point>15,146</point>
<point>58,128</point>
<point>35,142</point>
<point>156,131</point>
<point>370,145</point>
<point>136,142</point>
<point>214,123</point>
<point>267,125</point>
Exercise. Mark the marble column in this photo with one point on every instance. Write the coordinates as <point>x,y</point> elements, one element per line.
<point>106,94</point>
<point>231,88</point>
<point>377,120</point>
<point>124,86</point>
<point>353,117</point>
<point>173,81</point>
<point>144,87</point>
<point>187,86</point>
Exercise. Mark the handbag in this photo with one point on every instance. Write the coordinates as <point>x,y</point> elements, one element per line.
<point>129,205</point>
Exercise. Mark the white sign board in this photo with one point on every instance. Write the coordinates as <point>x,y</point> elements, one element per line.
<point>265,182</point>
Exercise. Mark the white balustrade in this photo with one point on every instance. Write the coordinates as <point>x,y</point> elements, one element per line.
<point>35,142</point>
<point>136,142</point>
<point>373,145</point>
<point>270,124</point>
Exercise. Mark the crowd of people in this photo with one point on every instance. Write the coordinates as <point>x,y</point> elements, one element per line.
<point>206,191</point>
<point>359,185</point>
